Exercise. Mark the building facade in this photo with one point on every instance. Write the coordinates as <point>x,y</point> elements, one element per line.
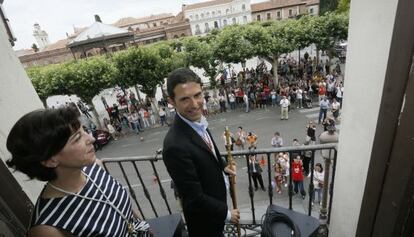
<point>216,14</point>
<point>146,30</point>
<point>283,9</point>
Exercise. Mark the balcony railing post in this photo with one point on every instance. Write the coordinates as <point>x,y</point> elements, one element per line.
<point>290,181</point>
<point>311,186</point>
<point>251,192</point>
<point>332,185</point>
<point>269,176</point>
<point>324,211</point>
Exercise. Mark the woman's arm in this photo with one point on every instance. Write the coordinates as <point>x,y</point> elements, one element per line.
<point>47,231</point>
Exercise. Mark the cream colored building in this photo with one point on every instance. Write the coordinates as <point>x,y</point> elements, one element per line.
<point>216,14</point>
<point>283,9</point>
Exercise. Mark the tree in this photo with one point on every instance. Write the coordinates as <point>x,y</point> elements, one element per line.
<point>199,53</point>
<point>298,32</point>
<point>49,80</point>
<point>231,45</point>
<point>89,77</point>
<point>327,6</point>
<point>270,42</point>
<point>37,77</point>
<point>343,6</point>
<point>327,30</point>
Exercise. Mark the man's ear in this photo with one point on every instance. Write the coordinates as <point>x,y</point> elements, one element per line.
<point>171,101</point>
<point>50,163</point>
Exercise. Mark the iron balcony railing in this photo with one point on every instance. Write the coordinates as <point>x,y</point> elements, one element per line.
<point>150,187</point>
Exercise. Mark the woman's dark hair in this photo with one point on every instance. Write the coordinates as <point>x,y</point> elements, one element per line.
<point>38,136</point>
<point>181,76</point>
<point>320,166</point>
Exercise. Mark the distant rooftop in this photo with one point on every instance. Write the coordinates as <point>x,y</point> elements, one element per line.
<point>205,4</point>
<point>98,29</point>
<point>274,4</point>
<point>132,20</point>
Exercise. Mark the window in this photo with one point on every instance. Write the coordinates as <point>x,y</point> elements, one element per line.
<point>219,12</point>
<point>234,20</point>
<point>197,29</point>
<point>244,19</point>
<point>290,12</point>
<point>191,17</point>
<point>244,7</point>
<point>278,15</point>
<point>197,17</point>
<point>227,11</point>
<point>202,15</point>
<point>154,24</point>
<point>208,14</point>
<point>175,36</point>
<point>216,24</point>
<point>213,13</point>
<point>311,10</point>
<point>258,17</point>
<point>224,22</point>
<point>207,28</point>
<point>269,16</point>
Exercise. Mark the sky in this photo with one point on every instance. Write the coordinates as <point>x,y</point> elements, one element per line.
<point>58,17</point>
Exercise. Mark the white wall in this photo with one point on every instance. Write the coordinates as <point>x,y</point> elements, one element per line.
<point>371,26</point>
<point>17,97</point>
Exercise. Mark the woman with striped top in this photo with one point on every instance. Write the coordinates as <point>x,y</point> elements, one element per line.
<point>80,198</point>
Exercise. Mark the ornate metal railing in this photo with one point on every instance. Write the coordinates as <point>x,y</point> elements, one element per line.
<point>154,182</point>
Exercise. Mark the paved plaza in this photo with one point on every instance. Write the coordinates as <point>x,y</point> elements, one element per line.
<point>263,122</point>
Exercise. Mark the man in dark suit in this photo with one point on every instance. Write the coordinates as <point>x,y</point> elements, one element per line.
<point>256,172</point>
<point>193,160</point>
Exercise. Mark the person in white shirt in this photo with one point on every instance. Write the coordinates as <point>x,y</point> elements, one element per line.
<point>277,140</point>
<point>318,178</point>
<point>339,93</point>
<point>335,106</point>
<point>299,97</point>
<point>284,106</point>
<point>232,101</point>
<point>246,102</point>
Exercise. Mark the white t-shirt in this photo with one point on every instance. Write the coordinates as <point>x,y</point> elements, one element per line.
<point>336,105</point>
<point>299,94</point>
<point>232,98</point>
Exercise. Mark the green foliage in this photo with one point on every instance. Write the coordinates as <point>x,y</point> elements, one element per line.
<point>138,65</point>
<point>328,29</point>
<point>199,53</point>
<point>89,77</point>
<point>327,6</point>
<point>343,6</point>
<point>231,45</point>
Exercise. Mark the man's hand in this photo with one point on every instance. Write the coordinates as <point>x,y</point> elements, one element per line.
<point>235,216</point>
<point>230,169</point>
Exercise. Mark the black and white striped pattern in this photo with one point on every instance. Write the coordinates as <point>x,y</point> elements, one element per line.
<point>84,217</point>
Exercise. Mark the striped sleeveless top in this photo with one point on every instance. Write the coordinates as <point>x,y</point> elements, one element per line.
<point>85,217</point>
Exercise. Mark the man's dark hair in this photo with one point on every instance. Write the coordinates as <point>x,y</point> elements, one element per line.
<point>181,76</point>
<point>38,136</point>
